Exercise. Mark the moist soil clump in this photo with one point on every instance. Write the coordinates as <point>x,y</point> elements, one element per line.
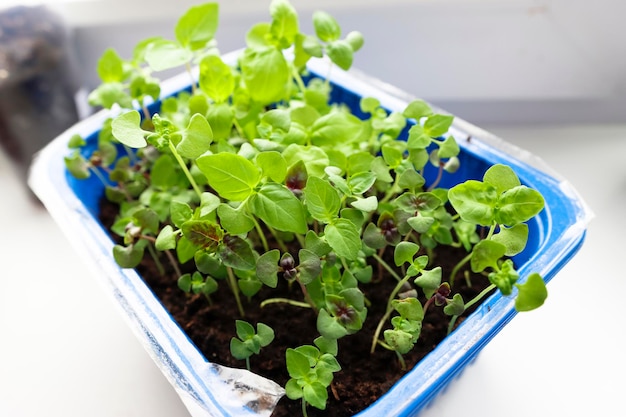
<point>363,378</point>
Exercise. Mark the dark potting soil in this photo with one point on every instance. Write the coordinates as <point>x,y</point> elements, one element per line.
<point>363,378</point>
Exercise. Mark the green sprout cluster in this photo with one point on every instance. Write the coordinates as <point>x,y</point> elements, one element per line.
<point>255,176</point>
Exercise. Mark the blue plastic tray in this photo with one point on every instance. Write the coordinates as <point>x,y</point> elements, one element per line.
<point>205,388</point>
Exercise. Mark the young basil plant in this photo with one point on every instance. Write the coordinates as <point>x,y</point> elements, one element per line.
<point>254,178</point>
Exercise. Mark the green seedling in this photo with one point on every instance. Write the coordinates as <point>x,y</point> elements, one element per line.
<point>255,180</point>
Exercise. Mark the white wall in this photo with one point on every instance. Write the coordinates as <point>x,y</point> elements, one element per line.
<point>488,61</point>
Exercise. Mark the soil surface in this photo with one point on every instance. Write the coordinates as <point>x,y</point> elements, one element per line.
<point>363,378</point>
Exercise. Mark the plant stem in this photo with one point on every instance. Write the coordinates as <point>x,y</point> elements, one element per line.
<point>401,360</point>
<point>182,164</point>
<point>286,301</point>
<point>259,231</point>
<point>457,267</point>
<point>304,414</point>
<point>298,78</point>
<point>438,179</point>
<point>248,363</point>
<point>157,262</point>
<point>387,267</point>
<point>385,317</point>
<point>232,281</point>
<point>469,304</point>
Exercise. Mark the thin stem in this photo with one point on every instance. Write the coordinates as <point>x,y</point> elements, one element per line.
<point>298,78</point>
<point>401,360</point>
<point>248,363</point>
<point>157,261</point>
<point>473,301</point>
<point>182,164</point>
<point>279,241</point>
<point>304,407</point>
<point>385,317</point>
<point>285,301</point>
<point>457,267</point>
<point>438,179</point>
<point>193,82</point>
<point>259,231</point>
<point>232,281</point>
<point>387,267</point>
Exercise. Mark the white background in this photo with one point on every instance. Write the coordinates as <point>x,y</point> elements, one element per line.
<point>506,67</point>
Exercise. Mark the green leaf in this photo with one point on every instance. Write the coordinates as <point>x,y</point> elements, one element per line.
<point>77,166</point>
<point>404,252</point>
<point>284,27</point>
<point>326,345</point>
<point>335,127</point>
<point>502,177</point>
<point>126,130</point>
<point>486,253</point>
<point>373,237</point>
<point>298,365</point>
<point>475,201</point>
<point>316,394</point>
<point>109,94</point>
<point>329,327</point>
<point>455,307</point>
<point>316,244</point>
<point>197,138</point>
<point>313,157</point>
<point>203,233</point>
<point>235,220</point>
<point>411,180</point>
<point>163,54</point>
<point>244,330</point>
<point>399,340</point>
<point>216,78</point>
<point>341,54</point>
<point>237,253</point>
<point>518,205</point>
<point>437,125</point>
<point>310,266</point>
<point>532,293</point>
<point>420,223</point>
<point>429,281</point>
<point>239,349</point>
<point>267,268</point>
<point>273,165</point>
<point>367,205</point>
<point>322,200</point>
<point>355,39</point>
<point>209,202</point>
<point>265,334</point>
<point>220,117</point>
<point>185,250</point>
<point>110,67</point>
<point>279,208</point>
<point>361,182</point>
<point>417,109</point>
<point>409,308</point>
<point>514,238</point>
<point>163,174</point>
<point>197,26</point>
<point>232,176</point>
<point>257,35</point>
<point>448,148</point>
<point>166,239</point>
<point>266,74</point>
<point>344,238</point>
<point>128,256</point>
<point>293,390</point>
<point>326,27</point>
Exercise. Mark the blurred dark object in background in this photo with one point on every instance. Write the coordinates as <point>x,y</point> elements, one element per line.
<point>37,84</point>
